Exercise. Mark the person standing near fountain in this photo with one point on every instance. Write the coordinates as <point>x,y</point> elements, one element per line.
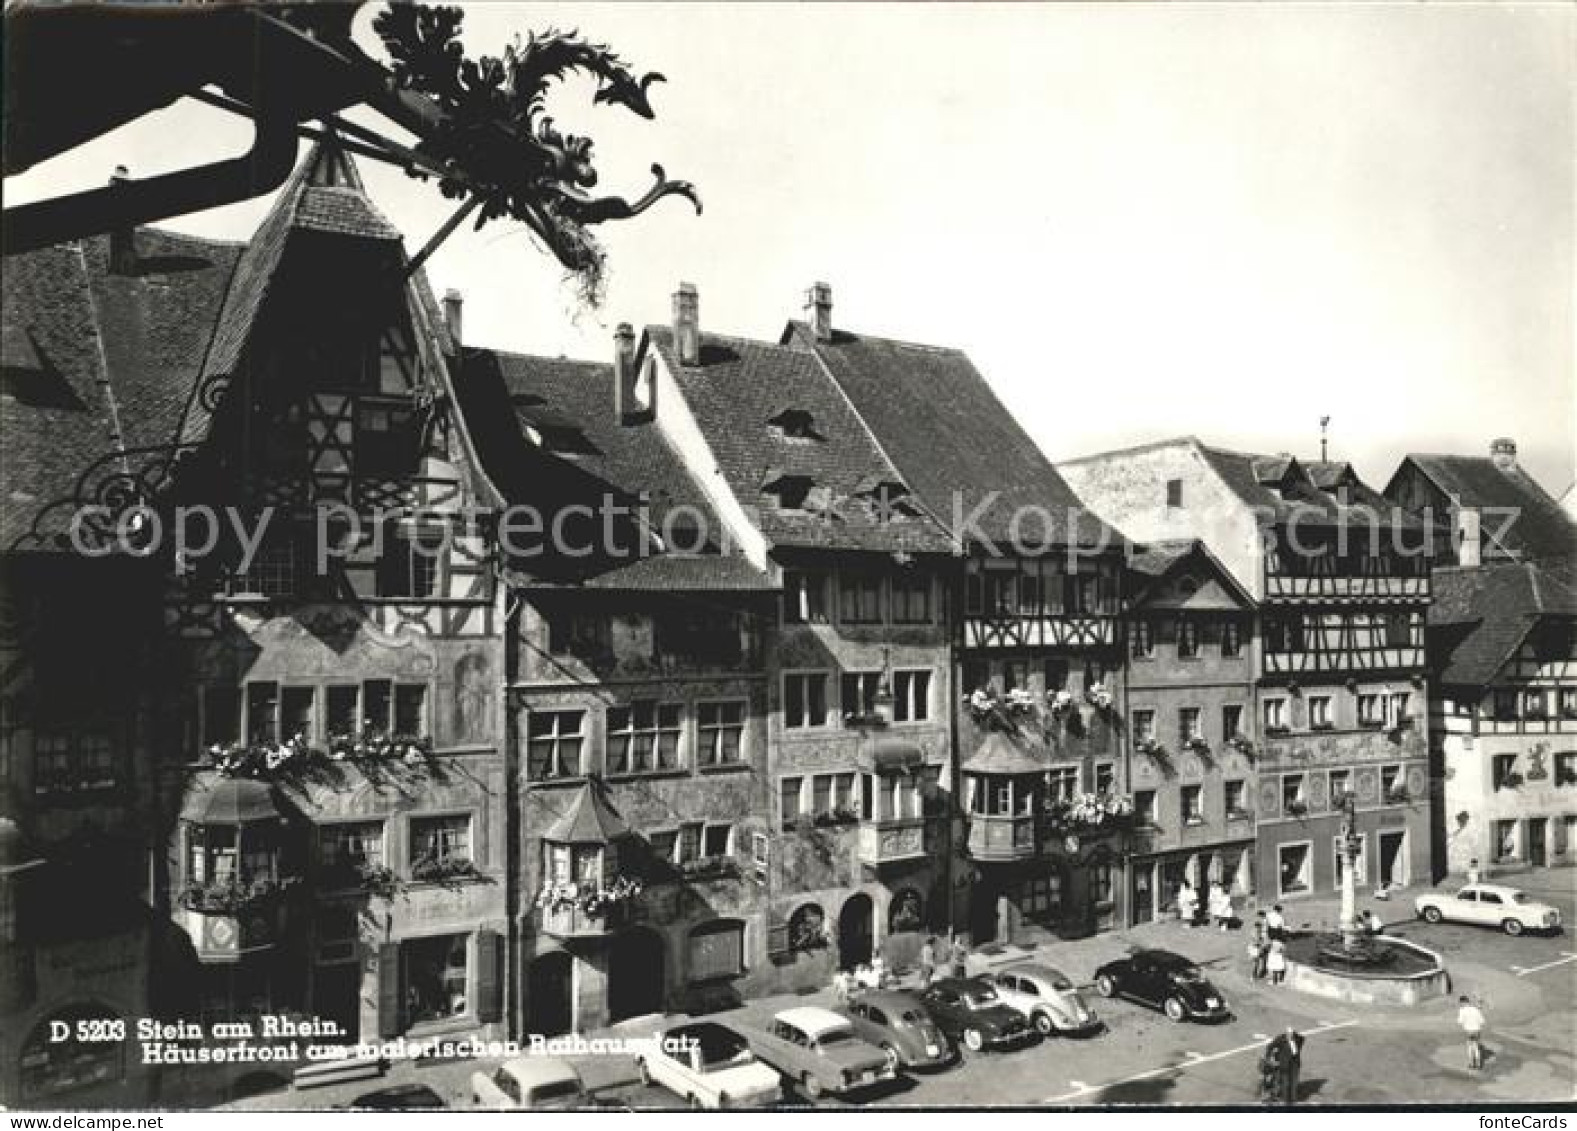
<point>1471,1018</point>
<point>1280,1067</point>
<point>1276,962</point>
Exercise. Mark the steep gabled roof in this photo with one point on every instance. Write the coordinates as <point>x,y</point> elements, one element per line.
<point>1152,566</point>
<point>1538,528</point>
<point>95,364</point>
<point>582,453</point>
<point>955,443</point>
<point>739,393</point>
<point>1481,614</point>
<point>588,820</point>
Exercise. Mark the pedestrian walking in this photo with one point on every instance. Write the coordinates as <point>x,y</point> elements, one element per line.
<point>1473,873</point>
<point>1256,951</point>
<point>1275,924</point>
<point>1471,1018</point>
<point>960,959</point>
<point>927,961</point>
<point>1281,1066</point>
<point>1220,906</point>
<point>1187,903</point>
<point>1276,962</point>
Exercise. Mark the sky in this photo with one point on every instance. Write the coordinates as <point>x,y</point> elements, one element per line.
<point>1140,221</point>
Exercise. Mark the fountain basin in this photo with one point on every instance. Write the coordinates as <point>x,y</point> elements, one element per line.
<point>1389,971</point>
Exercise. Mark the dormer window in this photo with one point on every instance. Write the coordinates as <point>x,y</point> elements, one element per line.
<point>796,424</point>
<point>789,491</point>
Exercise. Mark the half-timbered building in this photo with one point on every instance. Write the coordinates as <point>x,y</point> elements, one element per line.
<point>1037,667</point>
<point>637,702</point>
<point>1342,585</point>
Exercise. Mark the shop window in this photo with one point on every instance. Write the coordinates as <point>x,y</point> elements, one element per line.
<point>435,978</point>
<point>716,950</point>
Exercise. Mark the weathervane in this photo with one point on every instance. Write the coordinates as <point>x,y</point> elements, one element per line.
<point>1324,423</point>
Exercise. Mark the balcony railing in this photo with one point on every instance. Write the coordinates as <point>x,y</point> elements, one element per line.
<point>1012,630</point>
<point>223,937</point>
<point>1003,838</point>
<point>893,841</point>
<point>573,921</point>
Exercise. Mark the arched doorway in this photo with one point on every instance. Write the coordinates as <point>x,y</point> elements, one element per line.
<point>549,982</point>
<point>855,932</point>
<point>635,974</point>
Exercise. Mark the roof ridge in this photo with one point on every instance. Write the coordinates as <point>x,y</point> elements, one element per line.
<point>1148,445</point>
<point>929,347</point>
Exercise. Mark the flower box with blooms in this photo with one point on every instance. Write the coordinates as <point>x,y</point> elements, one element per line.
<point>233,897</point>
<point>1297,808</point>
<point>374,743</point>
<point>1099,697</point>
<point>1150,746</point>
<point>1397,795</point>
<point>864,719</point>
<point>1060,703</point>
<point>982,704</point>
<point>837,815</point>
<point>443,868</point>
<point>709,868</point>
<point>1089,812</point>
<point>1242,744</point>
<point>1197,744</point>
<point>264,760</point>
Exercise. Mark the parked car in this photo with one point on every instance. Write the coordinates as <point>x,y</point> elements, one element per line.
<point>820,1051</point>
<point>399,1097</point>
<point>709,1065</point>
<point>530,1082</point>
<point>899,1025</point>
<point>969,1011</point>
<point>1046,996</point>
<point>1164,981</point>
<point>1491,905</point>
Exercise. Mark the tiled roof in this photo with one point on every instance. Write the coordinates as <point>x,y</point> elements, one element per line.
<point>998,754</point>
<point>343,212</point>
<point>1151,564</point>
<point>956,445</point>
<point>569,405</point>
<point>738,389</point>
<point>1540,528</point>
<point>1481,614</point>
<point>96,363</point>
<point>588,820</point>
<point>1286,489</point>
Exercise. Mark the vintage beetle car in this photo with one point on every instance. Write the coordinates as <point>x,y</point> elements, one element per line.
<point>1046,996</point>
<point>1165,981</point>
<point>968,1010</point>
<point>1491,905</point>
<point>898,1023</point>
<point>820,1051</point>
<point>532,1082</point>
<point>709,1065</point>
<point>399,1097</point>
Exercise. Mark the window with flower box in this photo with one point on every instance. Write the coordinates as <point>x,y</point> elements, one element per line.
<point>1234,797</point>
<point>911,696</point>
<point>1193,804</point>
<point>804,700</point>
<point>226,854</point>
<point>1062,783</point>
<point>1143,725</point>
<point>440,844</point>
<point>1188,727</point>
<point>1054,672</point>
<point>644,738</point>
<point>833,798</point>
<point>555,744</point>
<point>720,733</point>
<point>349,849</point>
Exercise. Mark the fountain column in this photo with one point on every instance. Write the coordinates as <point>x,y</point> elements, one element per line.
<point>1353,935</point>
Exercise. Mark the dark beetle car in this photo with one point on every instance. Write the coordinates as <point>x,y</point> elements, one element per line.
<point>969,1011</point>
<point>1165,981</point>
<point>897,1023</point>
<point>399,1097</point>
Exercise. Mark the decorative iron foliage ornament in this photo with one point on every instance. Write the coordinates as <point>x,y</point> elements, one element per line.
<point>496,141</point>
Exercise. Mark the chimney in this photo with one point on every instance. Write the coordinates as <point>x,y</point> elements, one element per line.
<point>123,247</point>
<point>818,311</point>
<point>687,324</point>
<point>454,314</point>
<point>1467,538</point>
<point>1504,453</point>
<point>628,404</point>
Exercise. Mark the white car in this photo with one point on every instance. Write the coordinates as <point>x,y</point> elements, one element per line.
<point>709,1065</point>
<point>1492,905</point>
<point>530,1082</point>
<point>1046,996</point>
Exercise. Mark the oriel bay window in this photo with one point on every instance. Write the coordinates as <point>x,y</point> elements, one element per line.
<point>554,742</point>
<point>643,738</point>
